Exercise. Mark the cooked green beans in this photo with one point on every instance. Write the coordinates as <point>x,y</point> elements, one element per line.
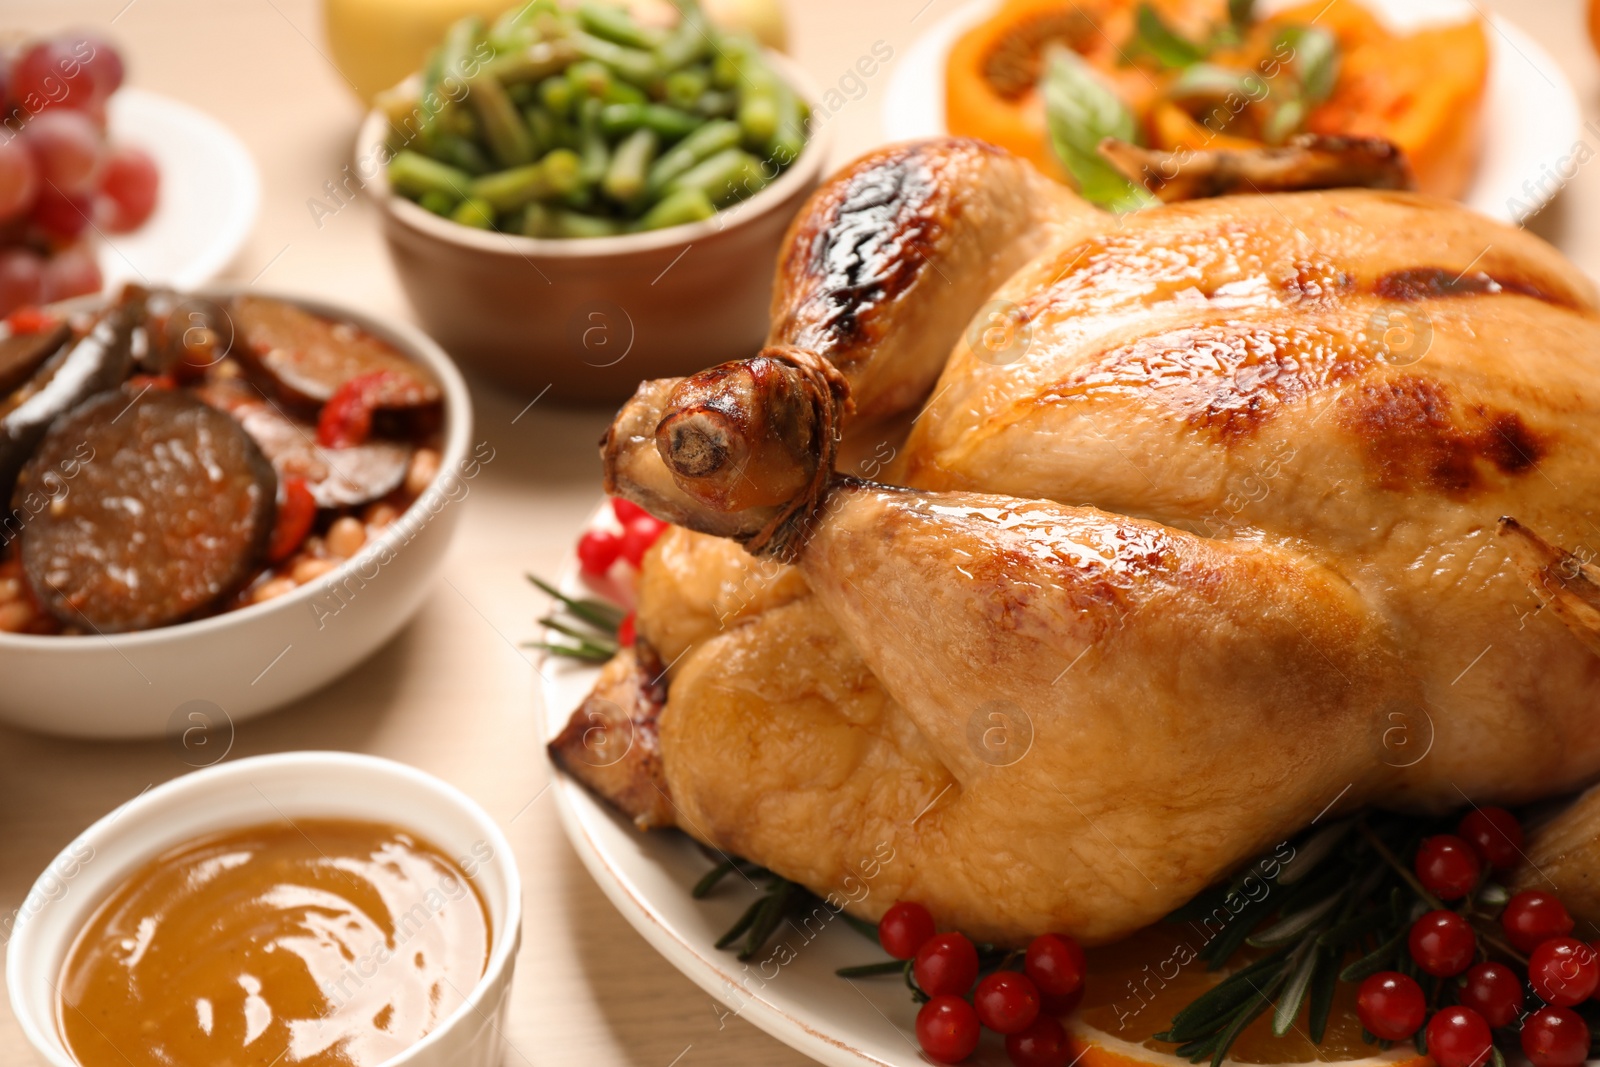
<point>570,122</point>
<point>617,26</point>
<point>724,178</point>
<point>625,177</point>
<point>711,138</point>
<point>503,129</point>
<point>556,175</point>
<point>668,122</point>
<point>684,206</point>
<point>413,174</point>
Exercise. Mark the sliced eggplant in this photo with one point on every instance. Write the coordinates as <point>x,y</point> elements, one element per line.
<point>306,358</point>
<point>147,507</point>
<point>22,354</point>
<point>337,477</point>
<point>99,361</point>
<point>187,334</point>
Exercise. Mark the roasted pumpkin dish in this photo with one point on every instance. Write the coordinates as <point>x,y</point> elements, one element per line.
<point>1049,79</point>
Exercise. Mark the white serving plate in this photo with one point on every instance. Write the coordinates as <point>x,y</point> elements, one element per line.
<point>648,877</point>
<point>1532,122</point>
<point>210,194</point>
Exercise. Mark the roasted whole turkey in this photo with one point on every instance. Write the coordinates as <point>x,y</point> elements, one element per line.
<point>1074,559</point>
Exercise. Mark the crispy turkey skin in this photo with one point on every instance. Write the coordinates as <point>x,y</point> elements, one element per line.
<point>1196,540</point>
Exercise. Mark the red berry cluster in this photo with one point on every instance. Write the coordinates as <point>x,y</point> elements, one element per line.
<point>1562,970</point>
<point>60,177</point>
<point>1022,1005</point>
<point>599,548</point>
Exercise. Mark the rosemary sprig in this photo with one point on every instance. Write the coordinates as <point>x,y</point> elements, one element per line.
<point>779,898</point>
<point>594,641</point>
<point>861,926</point>
<point>872,970</point>
<point>600,614</point>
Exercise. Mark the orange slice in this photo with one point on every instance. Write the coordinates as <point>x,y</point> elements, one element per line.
<point>1136,986</point>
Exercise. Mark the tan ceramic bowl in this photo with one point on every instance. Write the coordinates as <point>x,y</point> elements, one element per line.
<point>589,318</point>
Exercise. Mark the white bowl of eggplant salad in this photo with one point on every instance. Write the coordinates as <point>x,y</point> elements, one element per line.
<point>218,502</point>
<point>578,200</point>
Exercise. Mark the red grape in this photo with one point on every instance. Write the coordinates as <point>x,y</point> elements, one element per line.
<point>66,145</point>
<point>62,216</point>
<point>1496,835</point>
<point>1564,971</point>
<point>1055,963</point>
<point>21,279</point>
<point>1532,917</point>
<point>1044,1044</point>
<point>1447,866</point>
<point>132,183</point>
<point>71,272</point>
<point>1494,991</point>
<point>101,58</point>
<point>904,928</point>
<point>1007,1002</point>
<point>1442,943</point>
<point>946,963</point>
<point>54,73</point>
<point>1555,1037</point>
<point>1458,1037</point>
<point>19,178</point>
<point>1391,1005</point>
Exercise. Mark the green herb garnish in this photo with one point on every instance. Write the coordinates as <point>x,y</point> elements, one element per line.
<point>1082,111</point>
<point>590,623</point>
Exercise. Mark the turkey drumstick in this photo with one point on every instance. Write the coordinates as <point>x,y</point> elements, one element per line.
<point>882,270</point>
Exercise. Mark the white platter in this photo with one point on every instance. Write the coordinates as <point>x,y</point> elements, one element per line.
<point>1532,121</point>
<point>209,197</point>
<point>648,877</point>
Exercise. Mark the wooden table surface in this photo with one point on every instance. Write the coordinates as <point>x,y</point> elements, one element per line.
<point>454,694</point>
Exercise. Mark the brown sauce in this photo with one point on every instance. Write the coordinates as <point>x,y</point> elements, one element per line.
<point>320,942</point>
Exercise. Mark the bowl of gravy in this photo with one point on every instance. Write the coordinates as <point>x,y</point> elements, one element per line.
<point>312,908</point>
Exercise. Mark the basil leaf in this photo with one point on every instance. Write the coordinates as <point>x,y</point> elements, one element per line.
<point>1082,111</point>
<point>1316,61</point>
<point>1170,48</point>
<point>1207,81</point>
<point>1285,122</point>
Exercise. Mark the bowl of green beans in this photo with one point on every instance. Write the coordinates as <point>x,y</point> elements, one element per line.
<point>576,201</point>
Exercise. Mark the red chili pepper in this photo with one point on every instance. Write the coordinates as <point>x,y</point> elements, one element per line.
<point>296,512</point>
<point>29,320</point>
<point>346,418</point>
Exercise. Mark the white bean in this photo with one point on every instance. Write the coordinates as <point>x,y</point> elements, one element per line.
<point>423,470</point>
<point>345,537</point>
<point>275,588</point>
<point>309,570</point>
<point>380,515</point>
<point>15,616</point>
